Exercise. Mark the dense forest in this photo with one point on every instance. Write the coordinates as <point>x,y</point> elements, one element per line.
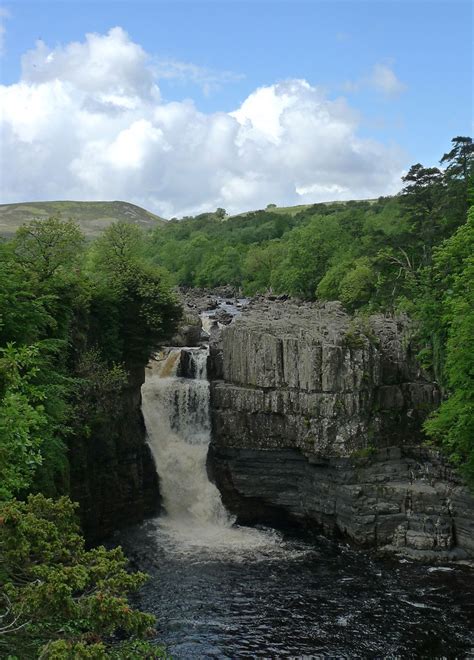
<point>76,317</point>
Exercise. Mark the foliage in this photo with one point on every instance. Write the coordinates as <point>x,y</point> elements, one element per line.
<point>369,254</point>
<point>60,600</point>
<point>33,411</point>
<point>98,389</point>
<point>43,247</point>
<point>453,424</point>
<point>146,309</point>
<point>68,320</point>
<point>22,419</point>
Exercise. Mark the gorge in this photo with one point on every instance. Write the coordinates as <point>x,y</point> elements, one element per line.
<point>318,427</point>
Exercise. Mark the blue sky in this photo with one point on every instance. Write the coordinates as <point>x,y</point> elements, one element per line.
<point>218,53</point>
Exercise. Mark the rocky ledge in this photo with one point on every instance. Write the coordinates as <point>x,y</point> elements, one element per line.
<point>317,417</point>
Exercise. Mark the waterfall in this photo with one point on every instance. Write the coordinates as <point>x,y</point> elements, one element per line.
<point>176,411</point>
<point>175,404</point>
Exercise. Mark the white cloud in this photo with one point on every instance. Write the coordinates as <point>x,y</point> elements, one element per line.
<point>86,121</point>
<point>382,79</point>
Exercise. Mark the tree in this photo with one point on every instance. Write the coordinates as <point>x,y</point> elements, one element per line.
<point>24,313</point>
<point>260,262</point>
<point>422,197</point>
<point>59,600</point>
<point>22,419</point>
<point>34,413</point>
<point>44,247</point>
<point>460,160</point>
<point>120,244</point>
<point>459,176</point>
<point>144,308</point>
<point>448,314</point>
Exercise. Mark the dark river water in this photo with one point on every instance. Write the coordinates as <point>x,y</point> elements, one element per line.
<point>261,594</point>
<point>221,591</point>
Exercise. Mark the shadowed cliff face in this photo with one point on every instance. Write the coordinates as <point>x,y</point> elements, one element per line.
<point>317,417</point>
<point>113,476</point>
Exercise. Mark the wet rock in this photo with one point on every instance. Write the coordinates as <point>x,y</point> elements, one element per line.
<point>189,333</point>
<point>224,317</point>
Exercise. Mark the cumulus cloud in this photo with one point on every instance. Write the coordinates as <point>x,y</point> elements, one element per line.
<point>382,79</point>
<point>86,121</point>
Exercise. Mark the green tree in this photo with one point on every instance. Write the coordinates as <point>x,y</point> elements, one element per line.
<point>460,160</point>
<point>448,314</point>
<point>24,311</point>
<point>44,247</point>
<point>23,419</point>
<point>146,310</point>
<point>422,197</point>
<point>59,600</point>
<point>260,262</point>
<point>459,177</point>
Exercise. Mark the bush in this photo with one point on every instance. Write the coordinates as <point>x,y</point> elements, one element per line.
<point>59,600</point>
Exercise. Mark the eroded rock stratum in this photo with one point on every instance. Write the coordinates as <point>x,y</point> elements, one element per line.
<point>317,417</point>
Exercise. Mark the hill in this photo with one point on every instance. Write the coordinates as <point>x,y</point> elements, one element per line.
<point>294,210</point>
<point>92,217</point>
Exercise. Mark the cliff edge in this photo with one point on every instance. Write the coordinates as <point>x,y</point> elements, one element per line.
<point>317,417</point>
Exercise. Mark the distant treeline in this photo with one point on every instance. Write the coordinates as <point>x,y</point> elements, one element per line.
<point>360,252</point>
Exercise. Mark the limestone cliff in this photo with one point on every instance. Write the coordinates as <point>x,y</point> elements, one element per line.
<point>317,417</point>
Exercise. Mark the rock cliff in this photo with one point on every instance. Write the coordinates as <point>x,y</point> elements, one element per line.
<point>317,417</point>
<point>113,476</point>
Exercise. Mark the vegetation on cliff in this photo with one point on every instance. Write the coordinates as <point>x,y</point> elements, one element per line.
<point>73,322</point>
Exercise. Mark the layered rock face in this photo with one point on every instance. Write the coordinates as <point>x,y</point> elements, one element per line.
<point>317,417</point>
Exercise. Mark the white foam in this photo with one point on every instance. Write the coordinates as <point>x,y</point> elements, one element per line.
<point>177,418</point>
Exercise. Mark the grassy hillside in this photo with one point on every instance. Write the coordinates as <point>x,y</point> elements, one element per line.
<point>294,210</point>
<point>92,217</point>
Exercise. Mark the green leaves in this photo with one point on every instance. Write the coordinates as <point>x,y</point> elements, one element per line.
<point>452,320</point>
<point>59,599</point>
<point>45,247</point>
<point>22,418</point>
<point>144,307</point>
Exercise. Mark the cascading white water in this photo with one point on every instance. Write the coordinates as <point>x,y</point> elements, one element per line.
<point>176,412</point>
<point>177,419</point>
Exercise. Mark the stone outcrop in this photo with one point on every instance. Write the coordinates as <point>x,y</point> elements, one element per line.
<point>317,418</point>
<point>190,329</point>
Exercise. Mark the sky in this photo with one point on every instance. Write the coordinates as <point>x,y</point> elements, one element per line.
<point>186,106</point>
